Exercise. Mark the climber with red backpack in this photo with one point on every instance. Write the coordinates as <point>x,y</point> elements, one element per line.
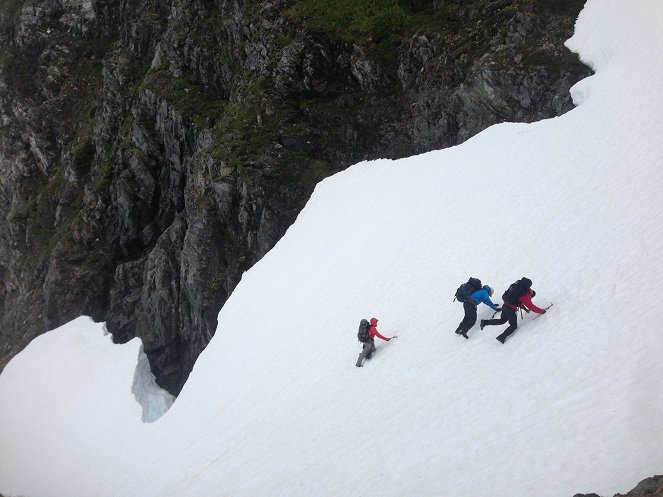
<point>471,294</point>
<point>518,296</point>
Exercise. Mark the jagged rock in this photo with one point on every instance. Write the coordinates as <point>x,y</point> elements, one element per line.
<point>649,487</point>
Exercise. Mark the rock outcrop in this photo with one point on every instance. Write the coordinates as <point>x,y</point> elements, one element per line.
<point>649,487</point>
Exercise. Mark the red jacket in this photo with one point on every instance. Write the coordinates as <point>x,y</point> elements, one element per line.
<point>525,302</point>
<point>373,331</point>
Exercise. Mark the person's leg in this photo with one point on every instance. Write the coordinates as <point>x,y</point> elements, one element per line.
<point>364,352</point>
<point>371,351</point>
<point>512,316</point>
<point>501,320</point>
<point>469,319</point>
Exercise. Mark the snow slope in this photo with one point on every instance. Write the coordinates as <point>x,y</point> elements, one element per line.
<point>573,402</point>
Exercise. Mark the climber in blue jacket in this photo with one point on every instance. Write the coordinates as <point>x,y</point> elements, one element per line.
<point>482,295</point>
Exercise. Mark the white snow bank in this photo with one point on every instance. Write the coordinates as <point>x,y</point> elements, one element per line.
<point>72,403</point>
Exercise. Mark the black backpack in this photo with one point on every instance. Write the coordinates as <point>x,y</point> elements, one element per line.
<point>516,290</point>
<point>466,289</point>
<point>362,334</point>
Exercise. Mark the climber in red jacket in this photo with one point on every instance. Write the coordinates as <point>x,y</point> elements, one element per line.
<point>518,296</point>
<point>369,346</point>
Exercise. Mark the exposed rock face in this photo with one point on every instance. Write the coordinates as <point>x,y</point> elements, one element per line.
<point>649,487</point>
<point>152,151</point>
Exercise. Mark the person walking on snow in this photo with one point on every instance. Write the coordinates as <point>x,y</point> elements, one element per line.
<point>518,296</point>
<point>368,348</point>
<point>482,295</point>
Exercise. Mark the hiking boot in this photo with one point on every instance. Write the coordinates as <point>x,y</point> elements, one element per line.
<point>482,324</point>
<point>459,331</point>
<point>500,339</point>
<point>464,333</point>
<point>359,365</point>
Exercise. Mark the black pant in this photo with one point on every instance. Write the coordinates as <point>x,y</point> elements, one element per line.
<point>508,314</point>
<point>470,317</point>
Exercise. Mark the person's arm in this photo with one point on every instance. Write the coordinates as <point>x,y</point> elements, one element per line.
<point>482,296</point>
<point>376,333</point>
<point>526,301</point>
<point>488,302</point>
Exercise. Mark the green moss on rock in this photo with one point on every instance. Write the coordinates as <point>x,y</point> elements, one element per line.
<point>187,97</point>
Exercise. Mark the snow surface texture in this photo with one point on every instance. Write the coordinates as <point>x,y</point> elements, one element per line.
<point>573,402</point>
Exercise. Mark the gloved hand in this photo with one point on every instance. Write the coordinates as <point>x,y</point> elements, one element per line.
<point>498,308</point>
<point>544,311</point>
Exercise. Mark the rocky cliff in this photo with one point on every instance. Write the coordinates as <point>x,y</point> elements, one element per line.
<point>649,487</point>
<point>152,151</point>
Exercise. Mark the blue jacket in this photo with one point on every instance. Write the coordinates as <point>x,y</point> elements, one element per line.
<point>482,296</point>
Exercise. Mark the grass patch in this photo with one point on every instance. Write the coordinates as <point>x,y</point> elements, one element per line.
<point>102,179</point>
<point>354,19</point>
<point>10,10</point>
<point>381,25</point>
<point>239,141</point>
<point>83,156</point>
<point>254,147</point>
<point>553,64</point>
<point>38,215</point>
<point>187,97</point>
